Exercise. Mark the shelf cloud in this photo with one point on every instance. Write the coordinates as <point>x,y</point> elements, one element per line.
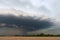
<point>27,23</point>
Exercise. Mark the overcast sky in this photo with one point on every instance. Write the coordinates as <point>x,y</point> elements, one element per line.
<point>46,8</point>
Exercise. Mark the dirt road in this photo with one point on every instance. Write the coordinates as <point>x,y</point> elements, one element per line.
<point>29,38</point>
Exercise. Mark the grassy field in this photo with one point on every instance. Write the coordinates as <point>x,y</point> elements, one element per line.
<point>29,38</point>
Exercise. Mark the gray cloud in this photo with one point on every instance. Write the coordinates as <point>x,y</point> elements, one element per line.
<point>27,23</point>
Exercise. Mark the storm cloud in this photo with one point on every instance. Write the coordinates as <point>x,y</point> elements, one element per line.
<point>49,9</point>
<point>27,23</point>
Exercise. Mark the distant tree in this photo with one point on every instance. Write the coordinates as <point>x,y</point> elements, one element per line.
<point>42,34</point>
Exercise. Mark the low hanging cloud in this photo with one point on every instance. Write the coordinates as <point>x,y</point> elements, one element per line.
<point>27,23</point>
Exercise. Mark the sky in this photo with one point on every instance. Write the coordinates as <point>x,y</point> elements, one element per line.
<point>31,15</point>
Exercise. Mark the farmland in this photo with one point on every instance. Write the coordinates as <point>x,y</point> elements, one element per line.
<point>29,38</point>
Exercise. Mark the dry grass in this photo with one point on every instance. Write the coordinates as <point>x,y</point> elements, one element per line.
<point>29,38</point>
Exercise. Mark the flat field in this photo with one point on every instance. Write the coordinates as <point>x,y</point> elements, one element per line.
<point>29,38</point>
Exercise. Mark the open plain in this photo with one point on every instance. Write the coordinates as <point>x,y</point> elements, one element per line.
<point>29,38</point>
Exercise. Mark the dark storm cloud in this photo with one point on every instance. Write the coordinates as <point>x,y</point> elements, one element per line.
<point>27,23</point>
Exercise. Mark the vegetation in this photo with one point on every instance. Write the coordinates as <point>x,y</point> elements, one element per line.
<point>40,35</point>
<point>37,35</point>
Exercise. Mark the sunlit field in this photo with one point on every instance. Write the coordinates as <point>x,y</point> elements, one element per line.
<point>29,38</point>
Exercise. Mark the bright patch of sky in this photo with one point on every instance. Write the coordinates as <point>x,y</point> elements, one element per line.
<point>48,8</point>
